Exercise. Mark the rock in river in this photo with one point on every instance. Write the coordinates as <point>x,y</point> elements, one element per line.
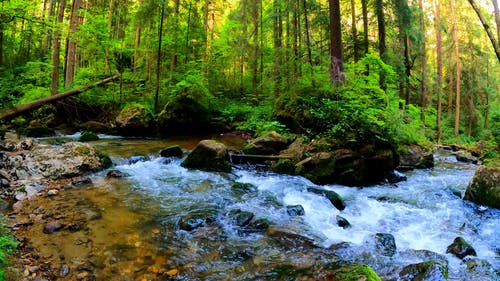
<point>460,248</point>
<point>208,155</point>
<point>484,189</point>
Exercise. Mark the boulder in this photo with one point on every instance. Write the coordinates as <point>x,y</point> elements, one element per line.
<point>356,273</point>
<point>295,210</point>
<point>51,227</point>
<point>284,166</point>
<point>270,143</point>
<point>466,157</point>
<point>243,187</point>
<point>195,219</point>
<point>69,160</point>
<point>87,136</point>
<point>240,218</point>
<point>484,188</point>
<point>95,126</point>
<point>36,131</point>
<point>208,155</point>
<point>385,244</point>
<point>415,157</point>
<point>184,114</point>
<point>134,119</point>
<point>425,271</point>
<point>258,225</point>
<point>172,151</point>
<point>318,168</point>
<point>334,198</point>
<point>460,248</point>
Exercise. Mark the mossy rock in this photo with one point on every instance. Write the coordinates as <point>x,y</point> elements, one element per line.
<point>182,115</point>
<point>284,166</point>
<point>196,219</point>
<point>87,136</point>
<point>95,126</point>
<point>318,168</point>
<point>356,273</point>
<point>460,248</point>
<point>37,131</point>
<point>270,143</point>
<point>134,119</point>
<point>240,218</point>
<point>415,157</point>
<point>432,270</point>
<point>484,188</point>
<point>243,187</point>
<point>209,155</point>
<point>172,151</point>
<point>331,195</point>
<point>105,159</point>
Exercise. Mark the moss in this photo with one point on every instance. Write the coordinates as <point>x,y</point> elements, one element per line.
<point>81,149</point>
<point>356,273</point>
<point>104,159</point>
<point>7,247</point>
<point>284,166</point>
<point>88,136</point>
<point>37,131</point>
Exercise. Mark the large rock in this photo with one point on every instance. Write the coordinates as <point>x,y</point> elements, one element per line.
<point>270,143</point>
<point>134,119</point>
<point>331,195</point>
<point>460,248</point>
<point>69,160</point>
<point>345,166</point>
<point>385,244</point>
<point>208,155</point>
<point>183,115</point>
<point>425,271</point>
<point>356,273</point>
<point>484,189</point>
<point>415,157</point>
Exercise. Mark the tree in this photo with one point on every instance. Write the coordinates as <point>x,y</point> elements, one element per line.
<point>56,47</point>
<point>439,66</point>
<point>336,61</point>
<point>159,56</point>
<point>486,26</point>
<point>423,85</point>
<point>457,67</point>
<point>71,54</point>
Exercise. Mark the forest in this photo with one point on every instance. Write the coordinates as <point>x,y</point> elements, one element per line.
<point>407,71</point>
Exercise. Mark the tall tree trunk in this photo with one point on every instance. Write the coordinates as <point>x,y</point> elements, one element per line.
<point>364,8</point>
<point>188,30</point>
<point>1,47</point>
<point>174,56</point>
<point>423,85</point>
<point>158,58</point>
<point>408,67</point>
<point>47,31</point>
<point>336,62</point>
<point>354,31</point>
<point>457,65</point>
<point>487,27</point>
<point>57,49</point>
<point>379,11</point>
<point>277,36</point>
<point>439,70</point>
<point>206,39</point>
<point>71,49</point>
<point>295,39</point>
<point>308,39</point>
<point>137,44</point>
<point>496,10</point>
<point>255,56</point>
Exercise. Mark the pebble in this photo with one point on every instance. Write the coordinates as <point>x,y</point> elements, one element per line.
<point>53,192</point>
<point>34,269</point>
<point>52,226</point>
<point>64,271</point>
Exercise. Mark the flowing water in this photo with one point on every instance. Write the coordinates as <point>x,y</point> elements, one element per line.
<point>136,234</point>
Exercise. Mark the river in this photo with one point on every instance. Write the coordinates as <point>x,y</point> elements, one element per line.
<point>132,225</point>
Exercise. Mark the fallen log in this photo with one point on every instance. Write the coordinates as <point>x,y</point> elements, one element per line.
<point>10,113</point>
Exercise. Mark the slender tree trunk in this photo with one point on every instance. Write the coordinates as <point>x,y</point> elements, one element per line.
<point>379,11</point>
<point>423,85</point>
<point>408,67</point>
<point>354,31</point>
<point>137,45</point>
<point>71,51</point>
<point>336,64</point>
<point>206,10</point>
<point>1,47</point>
<point>439,70</point>
<point>457,65</point>
<point>188,30</point>
<point>487,27</point>
<point>278,52</point>
<point>158,58</point>
<point>308,39</point>
<point>174,56</point>
<point>364,8</point>
<point>255,56</point>
<point>57,49</point>
<point>449,105</point>
<point>295,39</point>
<point>496,10</point>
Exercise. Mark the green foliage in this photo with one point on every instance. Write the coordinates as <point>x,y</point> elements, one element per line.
<point>7,247</point>
<point>193,85</point>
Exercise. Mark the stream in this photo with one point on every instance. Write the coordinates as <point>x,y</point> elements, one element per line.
<point>130,228</point>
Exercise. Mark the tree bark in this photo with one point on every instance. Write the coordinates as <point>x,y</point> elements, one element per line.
<point>174,57</point>
<point>439,70</point>
<point>379,11</point>
<point>1,47</point>
<point>496,10</point>
<point>457,66</point>
<point>354,31</point>
<point>71,51</point>
<point>308,38</point>
<point>336,63</point>
<point>423,85</point>
<point>255,56</point>
<point>496,48</point>
<point>18,110</point>
<point>158,57</point>
<point>277,36</point>
<point>364,8</point>
<point>57,49</point>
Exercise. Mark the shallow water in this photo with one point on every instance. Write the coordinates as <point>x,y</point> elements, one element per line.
<point>137,235</point>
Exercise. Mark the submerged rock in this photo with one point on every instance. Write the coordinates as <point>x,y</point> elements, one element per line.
<point>295,210</point>
<point>425,271</point>
<point>240,218</point>
<point>116,174</point>
<point>51,227</point>
<point>197,219</point>
<point>208,155</point>
<point>270,143</point>
<point>331,195</point>
<point>484,189</point>
<point>460,248</point>
<point>258,225</point>
<point>243,187</point>
<point>385,244</point>
<point>343,222</point>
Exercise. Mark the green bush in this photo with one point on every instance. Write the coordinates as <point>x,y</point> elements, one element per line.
<point>7,247</point>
